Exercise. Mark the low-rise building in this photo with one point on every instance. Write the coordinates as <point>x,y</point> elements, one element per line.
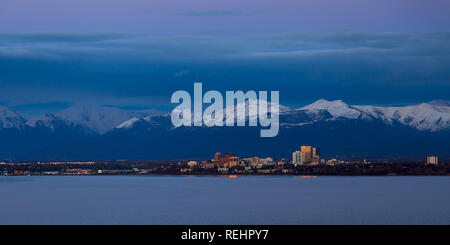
<point>192,164</point>
<point>222,170</point>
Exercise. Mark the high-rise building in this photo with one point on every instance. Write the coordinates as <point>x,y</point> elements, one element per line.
<point>432,160</point>
<point>315,156</point>
<point>306,153</point>
<point>296,157</point>
<point>315,152</point>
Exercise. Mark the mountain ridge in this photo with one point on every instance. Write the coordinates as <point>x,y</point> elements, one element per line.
<point>429,116</point>
<point>334,126</point>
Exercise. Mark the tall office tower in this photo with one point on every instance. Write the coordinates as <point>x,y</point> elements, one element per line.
<point>315,152</point>
<point>296,157</point>
<point>432,160</point>
<point>306,154</point>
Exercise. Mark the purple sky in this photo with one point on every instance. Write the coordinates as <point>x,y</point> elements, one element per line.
<point>225,17</point>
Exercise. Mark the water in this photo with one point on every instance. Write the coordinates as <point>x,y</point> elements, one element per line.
<point>221,200</point>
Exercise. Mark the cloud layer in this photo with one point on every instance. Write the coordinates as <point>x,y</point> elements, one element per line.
<point>119,68</point>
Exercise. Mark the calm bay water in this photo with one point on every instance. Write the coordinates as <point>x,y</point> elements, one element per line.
<point>221,200</point>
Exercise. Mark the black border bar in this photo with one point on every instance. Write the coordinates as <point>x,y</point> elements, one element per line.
<point>275,233</point>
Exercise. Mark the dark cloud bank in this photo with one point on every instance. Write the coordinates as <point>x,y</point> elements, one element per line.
<point>139,69</point>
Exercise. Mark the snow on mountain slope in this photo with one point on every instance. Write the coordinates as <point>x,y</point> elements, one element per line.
<point>337,108</point>
<point>49,121</point>
<point>432,116</point>
<point>299,117</point>
<point>147,123</point>
<point>10,119</point>
<point>99,119</point>
<point>129,123</point>
<point>248,109</point>
<point>46,120</point>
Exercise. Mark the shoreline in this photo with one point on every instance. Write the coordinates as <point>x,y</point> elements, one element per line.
<point>231,175</point>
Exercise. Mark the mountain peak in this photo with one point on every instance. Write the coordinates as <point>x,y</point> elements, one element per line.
<point>326,103</point>
<point>10,119</point>
<point>337,108</point>
<point>99,119</point>
<point>432,116</point>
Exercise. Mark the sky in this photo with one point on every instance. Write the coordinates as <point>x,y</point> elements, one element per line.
<point>134,54</point>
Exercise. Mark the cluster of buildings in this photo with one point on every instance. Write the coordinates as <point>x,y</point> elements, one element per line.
<point>226,161</point>
<point>307,155</point>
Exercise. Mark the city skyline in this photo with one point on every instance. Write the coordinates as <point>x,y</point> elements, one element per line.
<point>341,130</point>
<point>224,112</point>
<point>306,162</point>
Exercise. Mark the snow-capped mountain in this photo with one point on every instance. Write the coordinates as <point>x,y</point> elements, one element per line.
<point>245,110</point>
<point>426,116</point>
<point>96,119</point>
<point>100,119</point>
<point>432,116</point>
<point>337,108</point>
<point>150,122</point>
<point>51,122</point>
<point>10,119</point>
<point>334,126</point>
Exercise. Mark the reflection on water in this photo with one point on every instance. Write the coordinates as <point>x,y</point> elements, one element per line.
<point>308,176</point>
